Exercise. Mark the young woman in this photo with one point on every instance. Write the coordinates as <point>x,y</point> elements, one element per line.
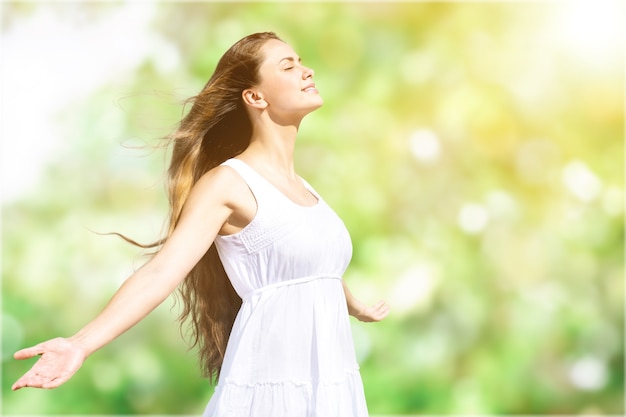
<point>257,253</point>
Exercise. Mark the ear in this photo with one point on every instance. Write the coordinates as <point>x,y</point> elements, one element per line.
<point>254,99</point>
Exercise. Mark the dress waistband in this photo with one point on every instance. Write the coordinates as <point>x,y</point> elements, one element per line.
<point>295,281</point>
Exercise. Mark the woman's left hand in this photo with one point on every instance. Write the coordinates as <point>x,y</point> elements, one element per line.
<point>376,312</point>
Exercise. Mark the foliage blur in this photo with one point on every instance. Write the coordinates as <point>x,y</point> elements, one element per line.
<point>474,150</point>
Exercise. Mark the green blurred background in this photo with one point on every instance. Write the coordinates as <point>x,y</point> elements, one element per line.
<point>474,150</point>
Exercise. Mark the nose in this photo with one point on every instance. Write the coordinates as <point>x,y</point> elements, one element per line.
<point>307,73</point>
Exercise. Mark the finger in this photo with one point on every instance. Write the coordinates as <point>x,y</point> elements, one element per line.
<point>17,385</point>
<point>376,307</point>
<point>27,380</point>
<point>384,309</point>
<point>381,310</point>
<point>382,314</point>
<point>28,352</point>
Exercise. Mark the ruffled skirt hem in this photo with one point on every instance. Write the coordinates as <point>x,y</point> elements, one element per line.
<point>343,397</point>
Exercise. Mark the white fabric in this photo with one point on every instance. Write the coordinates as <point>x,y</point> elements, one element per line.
<point>290,353</point>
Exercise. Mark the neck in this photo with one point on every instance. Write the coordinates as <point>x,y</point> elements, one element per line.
<point>272,148</point>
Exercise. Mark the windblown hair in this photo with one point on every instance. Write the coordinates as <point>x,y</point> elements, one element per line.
<point>216,128</point>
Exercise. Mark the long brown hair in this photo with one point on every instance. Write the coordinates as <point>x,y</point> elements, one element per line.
<point>215,129</point>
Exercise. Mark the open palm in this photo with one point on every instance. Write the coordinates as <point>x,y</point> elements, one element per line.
<point>59,360</point>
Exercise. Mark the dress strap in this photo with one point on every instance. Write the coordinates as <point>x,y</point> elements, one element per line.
<point>255,182</point>
<point>261,187</point>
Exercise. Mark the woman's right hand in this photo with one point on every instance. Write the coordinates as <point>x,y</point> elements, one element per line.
<point>59,359</point>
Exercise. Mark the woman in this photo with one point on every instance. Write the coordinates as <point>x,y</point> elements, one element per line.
<point>256,251</point>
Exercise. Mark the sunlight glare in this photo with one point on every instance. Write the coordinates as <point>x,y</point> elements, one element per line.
<point>592,30</point>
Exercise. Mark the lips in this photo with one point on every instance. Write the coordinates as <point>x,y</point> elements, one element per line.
<point>310,87</point>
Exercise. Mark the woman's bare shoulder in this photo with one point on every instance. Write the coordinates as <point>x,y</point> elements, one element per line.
<point>223,187</point>
<point>222,183</point>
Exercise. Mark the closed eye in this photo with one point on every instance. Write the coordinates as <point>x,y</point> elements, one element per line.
<point>290,61</point>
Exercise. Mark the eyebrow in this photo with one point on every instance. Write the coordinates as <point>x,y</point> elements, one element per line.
<point>289,58</point>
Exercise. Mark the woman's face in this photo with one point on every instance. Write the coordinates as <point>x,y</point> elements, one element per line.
<point>286,85</point>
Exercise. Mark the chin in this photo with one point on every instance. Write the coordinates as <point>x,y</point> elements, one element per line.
<point>319,104</point>
<point>312,107</point>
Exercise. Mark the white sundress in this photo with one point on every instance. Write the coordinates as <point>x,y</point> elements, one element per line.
<point>290,352</point>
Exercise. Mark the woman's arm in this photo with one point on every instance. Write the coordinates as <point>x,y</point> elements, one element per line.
<point>363,312</point>
<point>208,207</point>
